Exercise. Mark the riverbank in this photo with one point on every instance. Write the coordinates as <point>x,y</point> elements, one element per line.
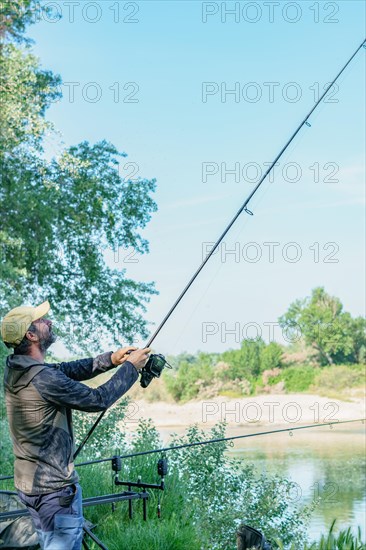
<point>314,460</point>
<point>261,410</point>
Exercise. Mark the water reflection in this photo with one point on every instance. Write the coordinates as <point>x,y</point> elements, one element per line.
<point>329,465</point>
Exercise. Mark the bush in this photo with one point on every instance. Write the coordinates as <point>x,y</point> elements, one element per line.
<point>157,391</point>
<point>6,447</point>
<point>246,361</point>
<point>182,385</point>
<point>207,496</point>
<point>223,492</point>
<point>299,379</point>
<point>107,435</point>
<point>271,356</point>
<point>186,382</point>
<point>340,377</point>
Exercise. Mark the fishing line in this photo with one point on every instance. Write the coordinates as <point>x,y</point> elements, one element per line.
<point>211,441</point>
<point>222,439</point>
<point>243,208</point>
<point>208,287</point>
<point>241,229</point>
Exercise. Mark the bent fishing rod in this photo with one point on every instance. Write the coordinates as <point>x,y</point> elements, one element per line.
<point>156,363</point>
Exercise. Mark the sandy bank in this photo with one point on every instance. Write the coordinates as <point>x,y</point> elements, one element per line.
<point>264,410</point>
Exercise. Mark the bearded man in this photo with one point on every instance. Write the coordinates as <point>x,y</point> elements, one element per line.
<point>40,398</point>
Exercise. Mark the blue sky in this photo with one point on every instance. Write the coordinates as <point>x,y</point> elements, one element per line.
<point>173,131</point>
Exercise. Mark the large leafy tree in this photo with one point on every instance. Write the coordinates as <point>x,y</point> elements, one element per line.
<point>324,325</point>
<point>59,216</point>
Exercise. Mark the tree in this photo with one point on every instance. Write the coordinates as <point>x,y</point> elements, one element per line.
<point>59,216</point>
<point>15,15</point>
<point>359,339</point>
<point>356,352</point>
<point>271,356</point>
<point>246,361</point>
<point>324,325</point>
<point>26,93</point>
<point>190,372</point>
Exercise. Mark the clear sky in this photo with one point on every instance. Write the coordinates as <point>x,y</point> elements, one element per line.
<point>154,78</point>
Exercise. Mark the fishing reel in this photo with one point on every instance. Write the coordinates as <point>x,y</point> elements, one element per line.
<point>153,368</point>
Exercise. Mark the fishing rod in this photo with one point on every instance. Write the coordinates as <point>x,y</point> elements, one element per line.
<point>157,362</point>
<point>222,439</point>
<point>210,441</point>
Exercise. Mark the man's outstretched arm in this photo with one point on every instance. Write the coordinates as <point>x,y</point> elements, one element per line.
<point>56,387</point>
<point>85,369</point>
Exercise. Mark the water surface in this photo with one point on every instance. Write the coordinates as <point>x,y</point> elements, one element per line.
<point>323,462</point>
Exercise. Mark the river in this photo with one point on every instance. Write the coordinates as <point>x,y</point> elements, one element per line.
<point>323,462</point>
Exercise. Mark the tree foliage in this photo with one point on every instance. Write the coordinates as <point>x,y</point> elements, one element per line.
<point>15,15</point>
<point>184,384</point>
<point>271,356</point>
<point>337,337</point>
<point>245,362</point>
<point>26,93</point>
<point>59,216</point>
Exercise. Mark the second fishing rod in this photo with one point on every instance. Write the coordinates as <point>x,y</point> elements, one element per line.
<point>157,362</point>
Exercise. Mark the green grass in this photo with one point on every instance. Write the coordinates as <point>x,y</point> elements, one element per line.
<point>172,532</point>
<point>155,534</point>
<point>337,378</point>
<point>344,540</point>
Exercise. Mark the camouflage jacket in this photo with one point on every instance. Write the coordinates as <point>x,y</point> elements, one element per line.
<point>39,400</point>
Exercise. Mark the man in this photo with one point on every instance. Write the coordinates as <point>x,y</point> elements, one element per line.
<point>39,400</point>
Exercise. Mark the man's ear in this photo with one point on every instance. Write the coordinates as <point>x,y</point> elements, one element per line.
<point>32,336</point>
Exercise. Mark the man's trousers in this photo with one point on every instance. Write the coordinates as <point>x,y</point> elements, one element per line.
<point>58,517</point>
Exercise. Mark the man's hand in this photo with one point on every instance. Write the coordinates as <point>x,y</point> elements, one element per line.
<point>139,357</point>
<point>121,355</point>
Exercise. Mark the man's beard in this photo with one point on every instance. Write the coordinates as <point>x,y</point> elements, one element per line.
<point>46,342</point>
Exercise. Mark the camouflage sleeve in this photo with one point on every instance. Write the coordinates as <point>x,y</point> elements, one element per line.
<point>85,369</point>
<point>58,388</point>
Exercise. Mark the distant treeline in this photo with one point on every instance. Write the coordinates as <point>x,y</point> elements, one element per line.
<point>327,354</point>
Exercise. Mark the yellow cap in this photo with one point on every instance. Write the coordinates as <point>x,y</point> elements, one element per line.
<point>16,323</point>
